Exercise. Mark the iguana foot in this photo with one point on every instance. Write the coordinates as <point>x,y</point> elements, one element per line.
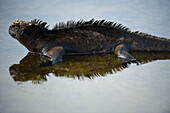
<point>122,52</point>
<point>55,53</point>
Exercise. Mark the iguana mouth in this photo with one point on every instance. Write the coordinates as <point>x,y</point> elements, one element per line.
<point>12,33</point>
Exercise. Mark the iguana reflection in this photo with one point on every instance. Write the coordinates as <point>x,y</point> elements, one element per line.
<point>36,67</point>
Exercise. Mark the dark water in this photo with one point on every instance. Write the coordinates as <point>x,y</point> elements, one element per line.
<point>90,83</point>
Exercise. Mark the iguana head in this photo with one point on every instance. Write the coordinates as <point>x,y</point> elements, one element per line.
<point>28,33</point>
<point>16,29</point>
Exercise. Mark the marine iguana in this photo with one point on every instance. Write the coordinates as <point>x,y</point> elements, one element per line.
<point>84,37</point>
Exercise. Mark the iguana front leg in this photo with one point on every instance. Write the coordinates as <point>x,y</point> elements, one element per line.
<point>55,53</point>
<point>122,52</point>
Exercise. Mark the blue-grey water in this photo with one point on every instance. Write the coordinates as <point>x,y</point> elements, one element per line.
<point>144,88</point>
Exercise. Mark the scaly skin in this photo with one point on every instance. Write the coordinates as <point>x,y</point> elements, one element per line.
<point>84,37</point>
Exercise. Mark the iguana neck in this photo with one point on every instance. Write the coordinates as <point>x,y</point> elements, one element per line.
<point>30,43</point>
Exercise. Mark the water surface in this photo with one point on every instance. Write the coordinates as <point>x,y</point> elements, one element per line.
<point>91,83</point>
